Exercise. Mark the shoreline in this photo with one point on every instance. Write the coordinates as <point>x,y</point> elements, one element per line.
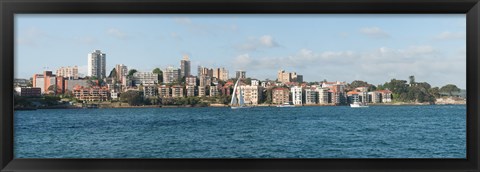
<point>221,106</point>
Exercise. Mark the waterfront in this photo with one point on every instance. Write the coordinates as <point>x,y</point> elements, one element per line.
<point>261,132</point>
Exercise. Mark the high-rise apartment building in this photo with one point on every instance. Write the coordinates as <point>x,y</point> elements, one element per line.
<point>285,77</point>
<point>221,74</point>
<point>203,71</point>
<point>122,71</point>
<point>185,67</point>
<point>97,64</point>
<point>68,72</point>
<point>241,74</point>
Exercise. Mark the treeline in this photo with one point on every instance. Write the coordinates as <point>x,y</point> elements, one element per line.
<point>410,91</point>
<point>135,98</point>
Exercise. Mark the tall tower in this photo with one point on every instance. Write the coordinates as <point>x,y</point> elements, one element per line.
<point>97,64</point>
<point>185,67</point>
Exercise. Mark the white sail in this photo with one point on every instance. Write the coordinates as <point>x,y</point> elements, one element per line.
<point>234,95</point>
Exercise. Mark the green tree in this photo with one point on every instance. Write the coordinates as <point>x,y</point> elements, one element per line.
<point>435,91</point>
<point>358,83</point>
<point>160,74</point>
<point>133,98</point>
<point>113,74</point>
<point>132,71</point>
<point>450,89</point>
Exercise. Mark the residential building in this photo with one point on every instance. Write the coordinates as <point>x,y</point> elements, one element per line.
<point>97,62</point>
<point>205,80</point>
<point>185,67</point>
<point>205,71</point>
<point>323,95</point>
<point>177,91</point>
<point>286,77</point>
<point>21,82</point>
<point>191,80</point>
<point>296,95</point>
<point>191,91</point>
<point>150,91</point>
<point>145,78</point>
<point>375,97</point>
<point>280,95</point>
<point>311,96</point>
<point>214,91</point>
<point>28,91</point>
<point>386,96</point>
<point>241,74</point>
<point>122,71</point>
<point>353,96</point>
<point>171,75</point>
<point>298,78</point>
<point>46,80</point>
<point>221,74</point>
<point>91,94</point>
<point>202,91</point>
<point>68,72</point>
<point>164,91</point>
<point>255,82</point>
<point>251,94</point>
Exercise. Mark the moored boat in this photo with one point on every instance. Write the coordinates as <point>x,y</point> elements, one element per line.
<point>358,105</point>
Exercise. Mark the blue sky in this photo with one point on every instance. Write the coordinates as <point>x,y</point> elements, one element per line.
<point>346,47</point>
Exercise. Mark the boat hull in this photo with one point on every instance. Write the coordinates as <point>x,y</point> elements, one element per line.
<point>357,106</point>
<point>285,106</point>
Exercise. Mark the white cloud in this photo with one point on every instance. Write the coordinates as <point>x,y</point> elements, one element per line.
<point>450,35</point>
<point>376,66</point>
<point>374,32</point>
<point>254,44</point>
<point>117,33</point>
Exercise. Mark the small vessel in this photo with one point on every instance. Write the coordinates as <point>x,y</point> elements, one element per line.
<point>358,105</point>
<point>240,103</point>
<point>286,104</point>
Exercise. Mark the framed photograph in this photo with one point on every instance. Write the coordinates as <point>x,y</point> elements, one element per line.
<point>211,85</point>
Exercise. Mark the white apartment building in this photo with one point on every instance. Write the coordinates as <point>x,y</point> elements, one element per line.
<point>145,78</point>
<point>296,95</point>
<point>97,62</point>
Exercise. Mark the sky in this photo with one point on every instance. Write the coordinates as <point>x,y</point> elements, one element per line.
<point>335,47</point>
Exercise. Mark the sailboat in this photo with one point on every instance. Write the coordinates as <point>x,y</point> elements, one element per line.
<point>240,103</point>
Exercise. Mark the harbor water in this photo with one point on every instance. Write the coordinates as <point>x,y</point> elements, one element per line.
<point>435,131</point>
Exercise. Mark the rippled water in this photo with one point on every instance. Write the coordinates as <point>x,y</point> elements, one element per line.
<point>263,132</point>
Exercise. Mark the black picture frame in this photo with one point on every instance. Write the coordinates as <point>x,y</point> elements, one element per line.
<point>10,7</point>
